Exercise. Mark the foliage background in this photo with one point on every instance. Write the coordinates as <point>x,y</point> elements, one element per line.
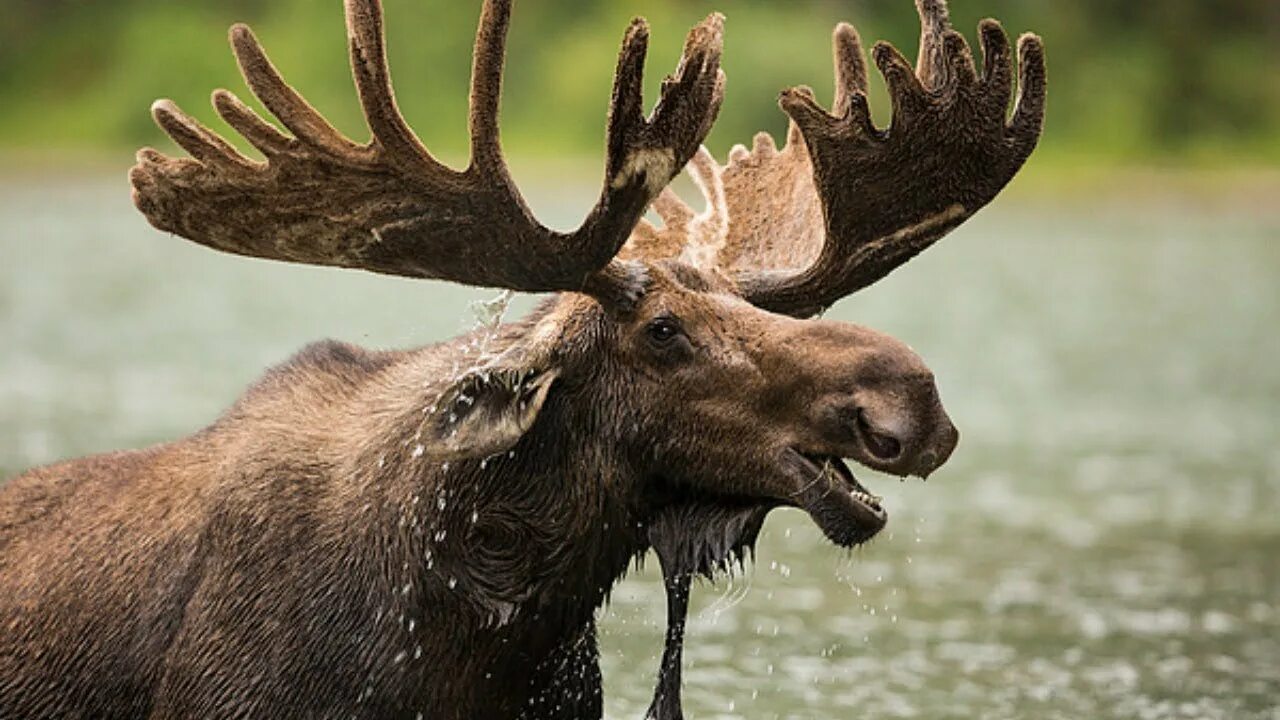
<point>1177,81</point>
<point>1102,546</point>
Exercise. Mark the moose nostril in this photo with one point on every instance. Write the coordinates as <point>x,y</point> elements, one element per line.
<point>884,447</point>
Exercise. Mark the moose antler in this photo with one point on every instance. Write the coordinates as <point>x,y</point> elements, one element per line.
<point>843,203</point>
<point>388,205</point>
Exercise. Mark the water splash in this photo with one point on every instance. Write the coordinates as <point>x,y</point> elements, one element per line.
<point>489,313</point>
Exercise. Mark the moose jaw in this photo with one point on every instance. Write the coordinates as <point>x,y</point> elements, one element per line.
<point>429,532</point>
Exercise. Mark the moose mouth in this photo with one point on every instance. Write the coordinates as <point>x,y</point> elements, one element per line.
<point>847,512</point>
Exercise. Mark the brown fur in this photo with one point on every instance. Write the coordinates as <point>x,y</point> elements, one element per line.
<point>309,554</point>
<point>429,533</point>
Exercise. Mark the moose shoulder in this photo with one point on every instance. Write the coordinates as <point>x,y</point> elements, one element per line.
<point>429,533</point>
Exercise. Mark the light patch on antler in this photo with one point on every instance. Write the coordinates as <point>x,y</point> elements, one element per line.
<point>709,231</point>
<point>695,240</point>
<point>700,255</point>
<point>928,228</point>
<point>656,164</point>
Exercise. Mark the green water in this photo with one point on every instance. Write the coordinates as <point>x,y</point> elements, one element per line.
<point>1104,544</point>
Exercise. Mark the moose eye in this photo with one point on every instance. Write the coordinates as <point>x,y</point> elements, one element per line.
<point>663,330</point>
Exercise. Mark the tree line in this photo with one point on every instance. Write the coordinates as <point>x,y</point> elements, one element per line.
<point>1195,79</point>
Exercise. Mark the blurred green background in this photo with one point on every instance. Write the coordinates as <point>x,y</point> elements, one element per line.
<point>1102,545</point>
<point>1152,82</point>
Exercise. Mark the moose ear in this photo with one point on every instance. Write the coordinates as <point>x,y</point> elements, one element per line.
<point>486,412</point>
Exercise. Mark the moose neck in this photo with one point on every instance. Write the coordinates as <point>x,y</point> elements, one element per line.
<point>542,529</point>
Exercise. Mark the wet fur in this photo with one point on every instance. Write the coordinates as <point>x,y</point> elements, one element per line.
<point>327,548</point>
<point>294,560</point>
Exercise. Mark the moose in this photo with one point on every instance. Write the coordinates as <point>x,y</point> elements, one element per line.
<point>429,533</point>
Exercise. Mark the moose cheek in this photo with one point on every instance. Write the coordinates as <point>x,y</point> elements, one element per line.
<point>835,420</point>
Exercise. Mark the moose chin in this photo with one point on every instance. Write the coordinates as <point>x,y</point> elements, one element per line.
<point>429,533</point>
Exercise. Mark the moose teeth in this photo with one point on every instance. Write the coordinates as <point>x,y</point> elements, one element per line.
<point>867,498</point>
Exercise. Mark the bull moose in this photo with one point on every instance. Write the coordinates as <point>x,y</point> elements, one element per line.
<point>428,533</point>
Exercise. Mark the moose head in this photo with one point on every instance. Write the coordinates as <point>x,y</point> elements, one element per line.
<point>674,389</point>
<point>695,336</point>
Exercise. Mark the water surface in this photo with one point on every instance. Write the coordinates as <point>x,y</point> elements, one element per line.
<point>1104,544</point>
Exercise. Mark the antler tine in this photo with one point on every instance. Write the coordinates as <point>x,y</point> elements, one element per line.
<point>644,154</point>
<point>997,68</point>
<point>203,144</point>
<point>388,206</point>
<point>708,175</point>
<point>699,77</point>
<point>672,209</point>
<point>885,195</point>
<point>626,104</point>
<point>907,93</point>
<point>391,134</point>
<point>260,133</point>
<point>306,124</point>
<point>486,85</point>
<point>1028,114</point>
<point>850,68</point>
<point>935,21</point>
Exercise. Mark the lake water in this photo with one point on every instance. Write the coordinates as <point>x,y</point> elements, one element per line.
<point>1104,544</point>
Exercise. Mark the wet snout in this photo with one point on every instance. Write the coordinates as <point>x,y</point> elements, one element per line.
<point>878,403</point>
<point>939,449</point>
<point>899,428</point>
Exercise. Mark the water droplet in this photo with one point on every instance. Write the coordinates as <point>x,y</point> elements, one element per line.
<point>489,313</point>
<point>453,583</point>
<point>418,450</point>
